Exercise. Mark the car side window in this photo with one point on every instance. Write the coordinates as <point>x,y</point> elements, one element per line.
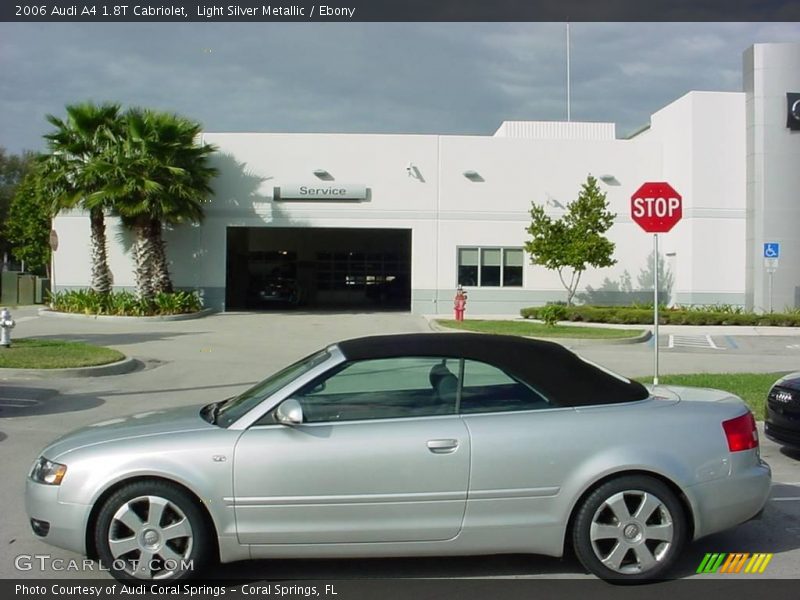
<point>386,388</point>
<point>488,389</point>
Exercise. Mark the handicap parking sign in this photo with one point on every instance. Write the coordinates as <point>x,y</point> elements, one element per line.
<point>772,250</point>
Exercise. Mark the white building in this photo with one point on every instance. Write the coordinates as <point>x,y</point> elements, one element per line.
<point>365,220</point>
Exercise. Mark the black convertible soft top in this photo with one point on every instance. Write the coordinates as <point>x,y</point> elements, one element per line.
<point>558,373</point>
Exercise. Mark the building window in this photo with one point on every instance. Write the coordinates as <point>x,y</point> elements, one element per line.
<point>468,266</point>
<point>512,267</point>
<point>490,267</point>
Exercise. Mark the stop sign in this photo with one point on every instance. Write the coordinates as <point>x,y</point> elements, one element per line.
<point>656,207</point>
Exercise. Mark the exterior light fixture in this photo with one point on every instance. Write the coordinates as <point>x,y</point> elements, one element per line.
<point>413,171</point>
<point>609,179</point>
<point>323,174</point>
<point>473,176</point>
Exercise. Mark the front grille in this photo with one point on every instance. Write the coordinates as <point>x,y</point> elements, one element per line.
<point>783,398</point>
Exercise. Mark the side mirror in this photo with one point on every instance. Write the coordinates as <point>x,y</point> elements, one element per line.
<point>289,412</point>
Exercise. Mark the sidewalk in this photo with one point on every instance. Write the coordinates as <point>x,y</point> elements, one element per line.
<point>741,330</point>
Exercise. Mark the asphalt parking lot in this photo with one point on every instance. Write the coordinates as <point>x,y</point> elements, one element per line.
<point>193,362</point>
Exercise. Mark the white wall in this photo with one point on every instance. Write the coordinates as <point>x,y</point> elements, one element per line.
<point>517,172</point>
<point>696,143</point>
<point>773,177</point>
<point>73,257</point>
<point>703,142</point>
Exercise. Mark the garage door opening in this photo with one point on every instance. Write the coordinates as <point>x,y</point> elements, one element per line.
<point>325,268</point>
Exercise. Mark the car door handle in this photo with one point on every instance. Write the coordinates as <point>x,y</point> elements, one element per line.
<point>442,446</point>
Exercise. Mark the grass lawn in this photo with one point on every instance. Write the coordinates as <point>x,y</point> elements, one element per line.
<point>539,329</point>
<point>751,387</point>
<point>55,354</point>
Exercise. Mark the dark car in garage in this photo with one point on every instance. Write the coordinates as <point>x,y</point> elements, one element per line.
<point>782,424</point>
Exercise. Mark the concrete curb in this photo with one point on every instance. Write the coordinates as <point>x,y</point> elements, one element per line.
<point>643,337</point>
<point>639,339</point>
<point>126,365</point>
<point>46,312</point>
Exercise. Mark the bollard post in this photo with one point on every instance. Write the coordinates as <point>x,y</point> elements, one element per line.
<point>6,325</point>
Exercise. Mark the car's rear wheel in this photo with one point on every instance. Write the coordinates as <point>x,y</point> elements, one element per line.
<point>630,529</point>
<point>151,530</point>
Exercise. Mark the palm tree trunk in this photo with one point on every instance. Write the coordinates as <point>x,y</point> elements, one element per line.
<point>144,259</point>
<point>161,279</point>
<point>101,274</point>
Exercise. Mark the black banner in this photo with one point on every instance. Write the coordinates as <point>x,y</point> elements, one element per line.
<point>731,588</point>
<point>398,10</point>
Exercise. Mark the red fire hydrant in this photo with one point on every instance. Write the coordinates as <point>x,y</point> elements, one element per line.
<point>460,303</point>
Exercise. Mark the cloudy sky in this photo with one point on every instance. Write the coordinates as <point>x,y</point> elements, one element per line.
<point>455,78</point>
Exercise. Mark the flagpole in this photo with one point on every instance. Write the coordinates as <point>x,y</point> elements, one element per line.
<point>569,116</point>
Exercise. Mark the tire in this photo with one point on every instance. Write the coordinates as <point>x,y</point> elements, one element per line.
<point>630,529</point>
<point>168,549</point>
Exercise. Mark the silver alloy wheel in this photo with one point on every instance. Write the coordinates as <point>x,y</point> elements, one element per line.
<point>632,532</point>
<point>150,538</point>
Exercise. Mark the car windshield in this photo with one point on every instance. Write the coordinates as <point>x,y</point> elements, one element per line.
<point>234,408</point>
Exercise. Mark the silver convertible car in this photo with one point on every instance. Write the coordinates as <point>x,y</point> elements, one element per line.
<point>409,445</point>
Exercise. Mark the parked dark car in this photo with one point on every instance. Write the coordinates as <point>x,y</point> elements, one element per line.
<point>275,290</point>
<point>782,424</point>
<point>395,291</point>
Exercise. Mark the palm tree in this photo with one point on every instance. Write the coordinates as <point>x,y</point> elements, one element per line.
<point>71,173</point>
<point>162,178</point>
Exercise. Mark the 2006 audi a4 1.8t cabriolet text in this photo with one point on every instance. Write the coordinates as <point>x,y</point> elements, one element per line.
<point>409,445</point>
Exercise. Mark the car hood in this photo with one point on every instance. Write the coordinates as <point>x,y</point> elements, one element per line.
<point>138,425</point>
<point>790,381</point>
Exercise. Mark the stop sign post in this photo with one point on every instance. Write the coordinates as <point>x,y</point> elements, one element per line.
<point>656,207</point>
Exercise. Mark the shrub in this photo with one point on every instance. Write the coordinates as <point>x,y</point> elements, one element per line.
<point>124,304</point>
<point>717,314</point>
<point>552,314</point>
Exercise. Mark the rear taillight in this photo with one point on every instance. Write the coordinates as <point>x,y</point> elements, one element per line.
<point>741,433</point>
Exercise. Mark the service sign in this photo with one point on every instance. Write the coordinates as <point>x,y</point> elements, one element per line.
<point>321,191</point>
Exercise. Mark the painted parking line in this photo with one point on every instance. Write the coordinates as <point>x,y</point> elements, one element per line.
<point>692,341</point>
<point>786,499</point>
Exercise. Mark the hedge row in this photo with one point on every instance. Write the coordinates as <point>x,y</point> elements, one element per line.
<point>124,304</point>
<point>632,315</point>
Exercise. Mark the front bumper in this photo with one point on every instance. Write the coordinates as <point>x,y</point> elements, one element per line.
<point>723,503</point>
<point>66,523</point>
<point>785,436</point>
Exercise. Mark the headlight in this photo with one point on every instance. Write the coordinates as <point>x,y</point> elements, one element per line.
<point>47,471</point>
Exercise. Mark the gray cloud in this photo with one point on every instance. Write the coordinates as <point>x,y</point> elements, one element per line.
<point>366,77</point>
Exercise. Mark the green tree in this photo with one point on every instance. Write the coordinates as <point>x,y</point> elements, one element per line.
<point>28,226</point>
<point>159,175</point>
<point>74,176</point>
<point>13,169</point>
<point>576,241</point>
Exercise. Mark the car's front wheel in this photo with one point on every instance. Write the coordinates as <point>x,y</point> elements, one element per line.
<point>629,529</point>
<point>151,530</point>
